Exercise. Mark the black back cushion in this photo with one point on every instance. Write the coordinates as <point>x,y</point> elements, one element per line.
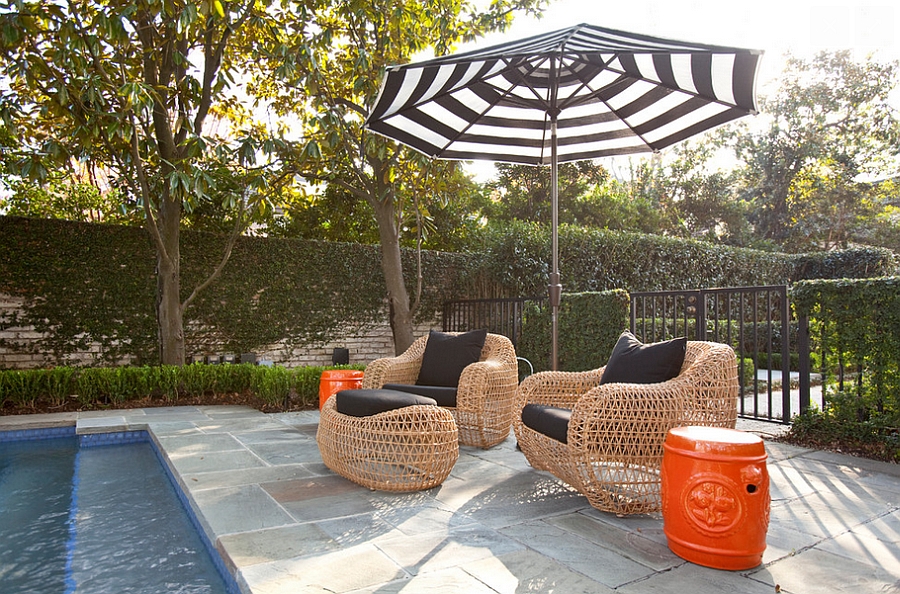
<point>633,362</point>
<point>446,356</point>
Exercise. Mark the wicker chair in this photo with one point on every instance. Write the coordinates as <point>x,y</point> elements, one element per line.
<point>406,449</point>
<point>486,393</point>
<point>616,431</point>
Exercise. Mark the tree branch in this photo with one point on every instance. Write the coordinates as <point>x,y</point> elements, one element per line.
<point>214,52</point>
<point>232,238</point>
<point>145,194</point>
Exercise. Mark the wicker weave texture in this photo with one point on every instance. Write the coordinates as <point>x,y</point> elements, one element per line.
<point>616,432</point>
<point>408,449</point>
<point>486,393</point>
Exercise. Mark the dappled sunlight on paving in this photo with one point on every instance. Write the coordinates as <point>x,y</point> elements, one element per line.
<point>284,523</point>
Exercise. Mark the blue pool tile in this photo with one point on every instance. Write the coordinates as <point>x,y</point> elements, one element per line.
<point>89,440</point>
<point>32,434</point>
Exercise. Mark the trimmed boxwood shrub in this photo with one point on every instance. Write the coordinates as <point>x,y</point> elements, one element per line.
<point>97,387</point>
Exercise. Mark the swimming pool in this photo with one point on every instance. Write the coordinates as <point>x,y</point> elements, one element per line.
<point>78,519</point>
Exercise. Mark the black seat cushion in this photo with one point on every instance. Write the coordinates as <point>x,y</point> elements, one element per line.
<point>365,403</point>
<point>633,362</point>
<point>446,356</point>
<point>442,394</point>
<point>551,421</point>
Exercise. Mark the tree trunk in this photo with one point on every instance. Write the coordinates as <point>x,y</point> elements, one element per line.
<point>391,264</point>
<point>168,284</point>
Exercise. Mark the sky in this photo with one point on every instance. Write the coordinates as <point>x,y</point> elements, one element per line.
<point>801,27</point>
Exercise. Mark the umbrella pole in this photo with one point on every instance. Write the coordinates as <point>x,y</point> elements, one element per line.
<point>555,286</point>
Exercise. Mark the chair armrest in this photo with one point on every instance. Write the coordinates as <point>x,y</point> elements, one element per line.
<point>482,380</point>
<point>713,401</point>
<point>557,388</point>
<point>620,419</point>
<point>402,369</point>
<point>391,370</point>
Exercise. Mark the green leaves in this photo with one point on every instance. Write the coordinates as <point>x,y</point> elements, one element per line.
<point>137,96</point>
<point>33,168</point>
<point>247,151</point>
<point>312,150</point>
<point>830,120</point>
<point>856,325</point>
<point>187,17</point>
<point>180,184</point>
<point>99,387</point>
<point>86,76</point>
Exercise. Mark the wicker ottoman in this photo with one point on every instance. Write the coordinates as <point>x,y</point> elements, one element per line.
<point>407,448</point>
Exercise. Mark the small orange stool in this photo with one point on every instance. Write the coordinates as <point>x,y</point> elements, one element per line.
<point>715,496</point>
<point>335,380</point>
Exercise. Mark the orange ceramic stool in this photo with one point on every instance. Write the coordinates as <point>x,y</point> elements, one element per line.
<point>335,380</point>
<point>715,496</point>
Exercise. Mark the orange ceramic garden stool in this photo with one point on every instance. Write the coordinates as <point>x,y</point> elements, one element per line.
<point>335,380</point>
<point>715,496</point>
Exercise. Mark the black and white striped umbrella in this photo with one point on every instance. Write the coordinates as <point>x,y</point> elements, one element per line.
<point>578,93</point>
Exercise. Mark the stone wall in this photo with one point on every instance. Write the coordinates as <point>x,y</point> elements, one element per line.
<point>20,335</point>
<point>364,346</point>
<point>20,349</point>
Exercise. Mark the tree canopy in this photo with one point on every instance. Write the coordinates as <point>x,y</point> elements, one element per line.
<point>832,129</point>
<point>325,73</point>
<point>144,91</point>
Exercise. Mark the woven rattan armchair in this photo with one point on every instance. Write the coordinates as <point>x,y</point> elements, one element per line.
<point>485,396</point>
<point>407,449</point>
<point>616,431</point>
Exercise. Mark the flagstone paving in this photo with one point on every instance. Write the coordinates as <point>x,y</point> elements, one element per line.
<point>284,523</point>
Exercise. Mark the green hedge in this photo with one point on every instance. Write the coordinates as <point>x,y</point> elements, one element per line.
<point>84,283</point>
<point>855,337</point>
<point>513,261</point>
<point>110,386</point>
<point>855,326</point>
<point>867,262</point>
<point>589,325</point>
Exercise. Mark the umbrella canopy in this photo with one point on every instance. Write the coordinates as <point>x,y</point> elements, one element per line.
<point>578,93</point>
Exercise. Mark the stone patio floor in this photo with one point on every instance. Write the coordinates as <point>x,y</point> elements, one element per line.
<point>284,523</point>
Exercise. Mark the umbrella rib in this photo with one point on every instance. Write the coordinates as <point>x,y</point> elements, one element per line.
<point>511,68</point>
<point>595,94</point>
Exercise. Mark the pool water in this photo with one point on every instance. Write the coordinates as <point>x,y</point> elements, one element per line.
<point>95,520</point>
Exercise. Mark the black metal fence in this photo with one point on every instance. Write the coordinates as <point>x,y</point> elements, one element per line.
<point>499,316</point>
<point>755,321</point>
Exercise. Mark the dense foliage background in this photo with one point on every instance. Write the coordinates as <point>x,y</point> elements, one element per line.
<point>84,282</point>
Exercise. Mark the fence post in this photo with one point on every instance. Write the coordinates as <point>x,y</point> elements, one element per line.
<point>699,302</point>
<point>785,355</point>
<point>803,352</point>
